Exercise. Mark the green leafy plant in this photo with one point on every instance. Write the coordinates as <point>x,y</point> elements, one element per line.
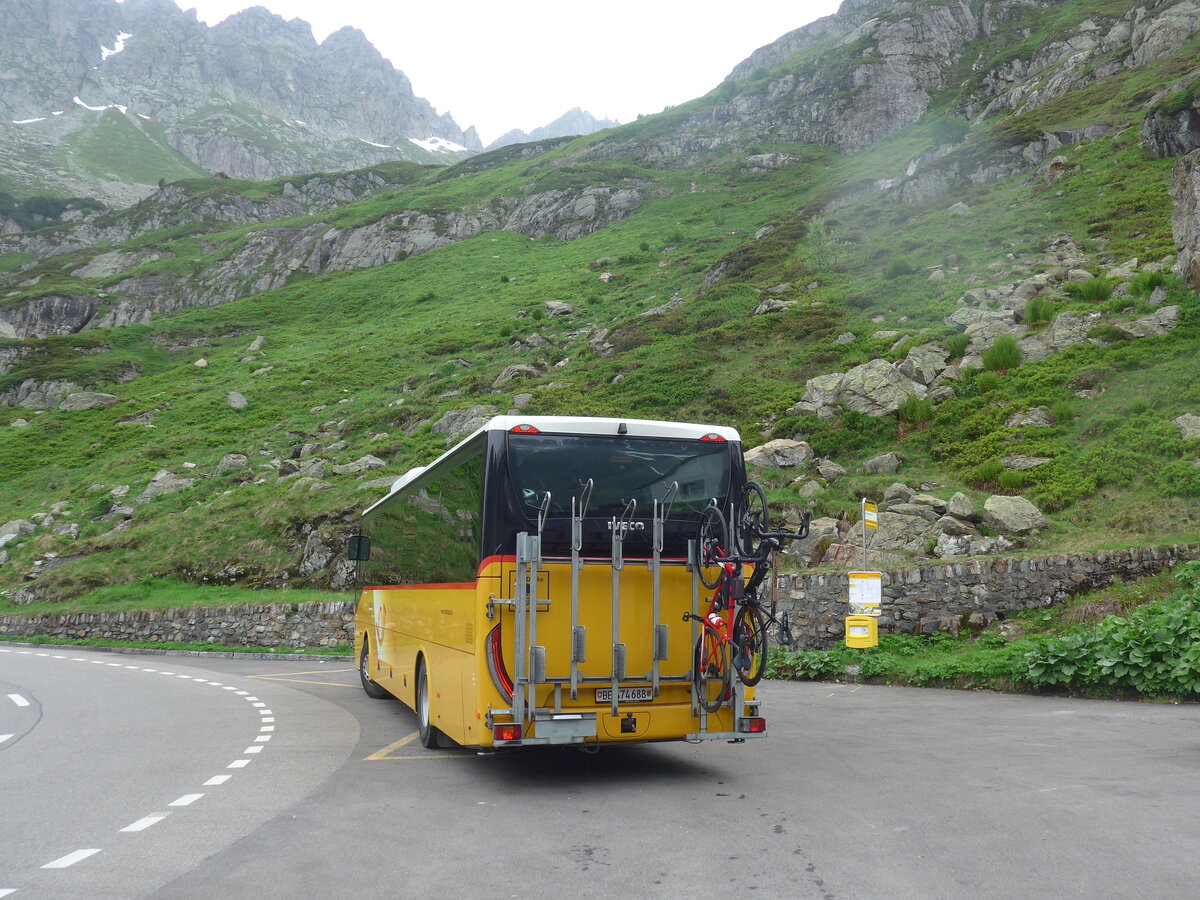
<point>1039,309</point>
<point>1002,355</point>
<point>956,345</point>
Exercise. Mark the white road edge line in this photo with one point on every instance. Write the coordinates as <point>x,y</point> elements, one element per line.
<point>145,822</point>
<point>71,858</point>
<point>4,892</point>
<point>18,699</point>
<point>4,737</point>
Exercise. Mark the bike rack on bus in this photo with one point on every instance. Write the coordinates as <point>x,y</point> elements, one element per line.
<point>530,658</point>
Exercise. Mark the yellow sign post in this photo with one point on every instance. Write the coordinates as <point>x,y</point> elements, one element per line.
<point>870,520</point>
<point>866,605</point>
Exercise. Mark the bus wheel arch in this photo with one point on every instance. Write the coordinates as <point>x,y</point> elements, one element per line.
<point>370,687</point>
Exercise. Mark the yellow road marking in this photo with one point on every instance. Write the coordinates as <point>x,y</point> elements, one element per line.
<point>284,676</point>
<point>303,681</point>
<point>384,753</point>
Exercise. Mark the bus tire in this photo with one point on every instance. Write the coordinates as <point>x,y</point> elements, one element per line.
<point>430,736</point>
<point>372,690</point>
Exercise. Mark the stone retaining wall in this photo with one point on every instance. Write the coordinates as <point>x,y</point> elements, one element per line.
<point>918,599</point>
<point>968,594</point>
<point>296,625</point>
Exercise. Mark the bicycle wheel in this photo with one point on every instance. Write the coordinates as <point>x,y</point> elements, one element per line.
<point>710,670</point>
<point>753,520</point>
<point>711,546</point>
<point>750,644</point>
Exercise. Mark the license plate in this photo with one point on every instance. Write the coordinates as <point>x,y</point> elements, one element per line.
<point>625,695</point>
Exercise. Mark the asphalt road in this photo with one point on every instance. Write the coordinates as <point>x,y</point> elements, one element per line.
<point>859,791</point>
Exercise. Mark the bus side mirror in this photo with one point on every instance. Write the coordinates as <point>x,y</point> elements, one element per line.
<point>358,548</point>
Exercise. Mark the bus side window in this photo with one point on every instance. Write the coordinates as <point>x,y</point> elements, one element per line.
<point>358,548</point>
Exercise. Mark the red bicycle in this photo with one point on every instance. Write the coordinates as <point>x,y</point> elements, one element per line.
<point>733,634</point>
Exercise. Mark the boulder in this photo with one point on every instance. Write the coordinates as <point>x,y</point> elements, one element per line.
<point>32,394</point>
<point>914,510</point>
<point>830,470</point>
<point>780,454</point>
<point>315,556</point>
<point>896,532</point>
<point>558,308</point>
<point>876,388</point>
<point>257,344</point>
<point>771,305</point>
<point>821,534</point>
<point>924,364</point>
<point>1189,426</point>
<point>884,464</point>
<point>960,506</point>
<point>14,530</point>
<point>459,423</point>
<point>236,400</point>
<point>1031,418</point>
<point>1160,322</point>
<point>513,372</point>
<point>1012,515</point>
<point>362,464</point>
<point>822,390</point>
<point>1017,463</point>
<point>84,400</point>
<point>952,525</point>
<point>937,504</point>
<point>232,461</point>
<point>163,483</point>
<point>898,492</point>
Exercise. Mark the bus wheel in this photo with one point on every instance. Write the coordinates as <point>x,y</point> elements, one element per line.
<point>374,691</point>
<point>430,736</point>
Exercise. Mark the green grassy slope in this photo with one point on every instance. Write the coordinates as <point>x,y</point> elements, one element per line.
<point>371,358</point>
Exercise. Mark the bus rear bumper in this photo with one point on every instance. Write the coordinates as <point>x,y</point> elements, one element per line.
<point>674,722</point>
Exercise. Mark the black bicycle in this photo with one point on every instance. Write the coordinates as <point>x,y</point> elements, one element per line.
<point>743,643</point>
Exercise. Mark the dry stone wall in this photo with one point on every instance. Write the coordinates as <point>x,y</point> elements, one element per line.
<point>296,626</point>
<point>965,594</point>
<point>916,600</point>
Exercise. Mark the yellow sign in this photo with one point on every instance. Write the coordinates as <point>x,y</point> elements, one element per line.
<point>870,515</point>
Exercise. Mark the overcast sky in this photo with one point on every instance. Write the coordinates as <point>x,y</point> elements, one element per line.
<point>499,66</point>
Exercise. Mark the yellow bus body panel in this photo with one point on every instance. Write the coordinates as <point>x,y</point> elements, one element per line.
<point>447,626</point>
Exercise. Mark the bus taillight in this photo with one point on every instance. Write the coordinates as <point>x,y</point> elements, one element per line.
<point>753,725</point>
<point>495,660</point>
<point>523,429</point>
<point>712,438</point>
<point>506,731</point>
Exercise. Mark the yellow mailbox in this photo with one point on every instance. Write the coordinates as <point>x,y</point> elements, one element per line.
<point>861,631</point>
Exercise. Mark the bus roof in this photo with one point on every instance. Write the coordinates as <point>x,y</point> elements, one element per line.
<point>575,425</point>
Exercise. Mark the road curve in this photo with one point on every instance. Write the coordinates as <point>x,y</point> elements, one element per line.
<point>119,773</point>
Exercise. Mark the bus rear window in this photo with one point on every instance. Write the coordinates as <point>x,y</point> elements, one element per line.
<point>621,469</point>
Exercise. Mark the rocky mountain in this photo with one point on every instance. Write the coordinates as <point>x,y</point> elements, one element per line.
<point>103,99</point>
<point>573,122</point>
<point>946,245</point>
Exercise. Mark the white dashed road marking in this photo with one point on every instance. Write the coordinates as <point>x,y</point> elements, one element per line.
<point>144,823</point>
<point>267,716</point>
<point>71,858</point>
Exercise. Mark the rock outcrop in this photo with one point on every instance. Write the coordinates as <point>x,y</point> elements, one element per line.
<point>1185,219</point>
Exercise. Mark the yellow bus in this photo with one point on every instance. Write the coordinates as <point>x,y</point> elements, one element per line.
<point>532,585</point>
